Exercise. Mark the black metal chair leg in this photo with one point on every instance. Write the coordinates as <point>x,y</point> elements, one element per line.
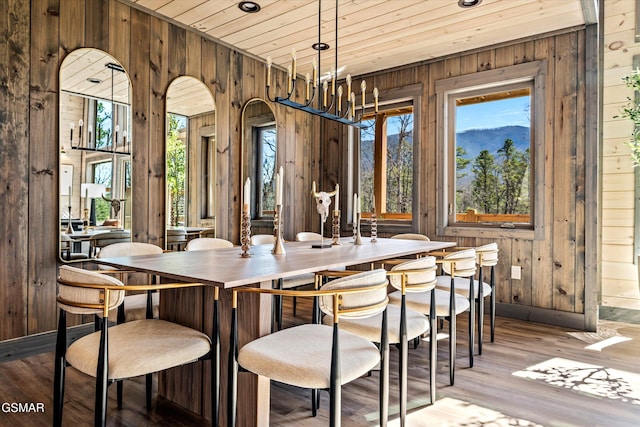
<point>58,382</point>
<point>314,402</point>
<point>384,372</point>
<point>100,416</point>
<point>404,352</point>
<point>492,308</point>
<point>119,391</point>
<point>472,321</point>
<point>433,348</point>
<point>149,390</point>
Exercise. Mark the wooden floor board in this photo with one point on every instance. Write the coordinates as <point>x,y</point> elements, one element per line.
<point>494,392</point>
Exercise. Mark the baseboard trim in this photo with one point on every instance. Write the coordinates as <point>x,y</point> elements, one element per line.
<point>620,314</point>
<point>542,315</point>
<point>31,345</point>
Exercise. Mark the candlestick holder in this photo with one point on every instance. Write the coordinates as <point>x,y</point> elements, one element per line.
<point>374,226</point>
<point>358,237</point>
<point>245,234</point>
<point>278,246</point>
<point>335,228</point>
<point>85,221</point>
<point>69,226</point>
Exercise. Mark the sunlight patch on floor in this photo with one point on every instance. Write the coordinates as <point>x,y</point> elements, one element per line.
<point>607,343</point>
<point>585,378</point>
<point>448,412</point>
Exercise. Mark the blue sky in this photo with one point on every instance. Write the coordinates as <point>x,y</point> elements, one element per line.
<point>488,115</point>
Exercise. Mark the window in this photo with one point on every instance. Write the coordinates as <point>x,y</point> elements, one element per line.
<point>386,162</point>
<point>176,168</point>
<point>102,174</point>
<point>493,146</point>
<point>265,167</point>
<point>492,151</point>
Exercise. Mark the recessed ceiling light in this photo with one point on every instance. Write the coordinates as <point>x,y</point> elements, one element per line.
<point>249,6</point>
<point>468,3</point>
<point>94,80</point>
<point>320,46</point>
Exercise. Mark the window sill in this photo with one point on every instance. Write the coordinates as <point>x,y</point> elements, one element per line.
<point>493,232</point>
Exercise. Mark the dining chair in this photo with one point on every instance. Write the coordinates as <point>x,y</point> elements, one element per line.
<point>317,356</point>
<point>66,249</point>
<point>203,243</point>
<point>125,350</point>
<point>207,232</point>
<point>100,240</point>
<point>135,306</point>
<point>262,239</point>
<point>411,236</point>
<point>404,324</point>
<point>486,256</point>
<point>176,239</point>
<point>448,304</point>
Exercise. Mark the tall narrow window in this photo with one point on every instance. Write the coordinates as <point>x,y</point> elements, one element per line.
<point>386,163</point>
<point>176,168</point>
<point>265,139</point>
<point>102,173</point>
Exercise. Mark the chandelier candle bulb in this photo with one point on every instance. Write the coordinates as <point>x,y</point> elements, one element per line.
<point>375,99</point>
<point>115,141</point>
<point>90,132</point>
<point>80,124</point>
<point>352,111</point>
<point>363,87</point>
<point>325,86</point>
<point>348,79</point>
<point>269,62</point>
<point>314,64</point>
<point>307,83</point>
<point>293,63</point>
<point>339,99</point>
<point>289,81</point>
<point>333,81</point>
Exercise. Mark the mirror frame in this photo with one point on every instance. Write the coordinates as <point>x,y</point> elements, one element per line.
<point>94,67</point>
<point>200,184</point>
<point>244,166</point>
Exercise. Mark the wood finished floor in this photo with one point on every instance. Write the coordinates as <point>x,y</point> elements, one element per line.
<point>579,387</point>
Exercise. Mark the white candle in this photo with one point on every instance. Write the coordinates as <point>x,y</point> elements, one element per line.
<point>277,196</point>
<point>281,183</point>
<point>293,63</point>
<point>337,198</point>
<point>247,194</point>
<point>269,62</point>
<point>359,205</point>
<point>363,87</point>
<point>355,203</point>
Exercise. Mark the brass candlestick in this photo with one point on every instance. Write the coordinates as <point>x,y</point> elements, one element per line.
<point>278,246</point>
<point>335,228</point>
<point>69,226</point>
<point>245,234</point>
<point>358,237</point>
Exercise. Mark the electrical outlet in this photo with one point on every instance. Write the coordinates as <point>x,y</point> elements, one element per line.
<point>516,272</point>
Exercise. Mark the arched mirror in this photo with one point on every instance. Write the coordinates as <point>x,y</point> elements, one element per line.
<point>190,162</point>
<point>95,154</point>
<point>259,149</point>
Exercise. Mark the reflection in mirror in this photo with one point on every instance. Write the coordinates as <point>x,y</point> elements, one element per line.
<point>190,157</point>
<point>95,152</point>
<point>259,148</point>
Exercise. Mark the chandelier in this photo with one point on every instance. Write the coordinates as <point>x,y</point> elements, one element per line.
<point>324,99</point>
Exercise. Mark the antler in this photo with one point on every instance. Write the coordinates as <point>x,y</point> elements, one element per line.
<point>315,194</point>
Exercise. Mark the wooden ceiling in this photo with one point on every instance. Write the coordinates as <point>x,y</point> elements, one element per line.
<point>372,34</point>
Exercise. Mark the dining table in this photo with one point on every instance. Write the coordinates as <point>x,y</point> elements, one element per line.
<point>226,268</point>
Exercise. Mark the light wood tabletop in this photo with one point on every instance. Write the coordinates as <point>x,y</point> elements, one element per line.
<point>226,268</point>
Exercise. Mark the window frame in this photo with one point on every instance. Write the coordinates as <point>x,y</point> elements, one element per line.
<point>446,89</point>
<point>257,137</point>
<point>407,95</point>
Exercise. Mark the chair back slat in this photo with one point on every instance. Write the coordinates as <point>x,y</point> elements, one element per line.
<point>76,296</point>
<point>357,304</point>
<point>487,255</point>
<point>203,243</point>
<point>420,274</point>
<point>460,263</point>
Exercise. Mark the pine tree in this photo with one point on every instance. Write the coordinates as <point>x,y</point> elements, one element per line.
<point>485,185</point>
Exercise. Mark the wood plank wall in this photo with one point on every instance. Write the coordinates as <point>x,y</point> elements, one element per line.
<point>40,35</point>
<point>553,268</point>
